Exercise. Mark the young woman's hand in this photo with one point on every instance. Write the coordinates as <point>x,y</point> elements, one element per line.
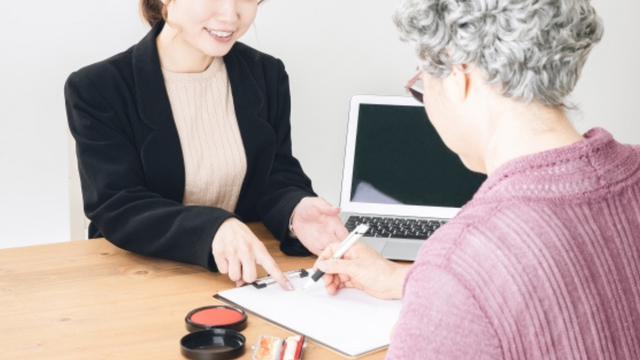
<point>362,268</point>
<point>236,251</point>
<point>316,224</point>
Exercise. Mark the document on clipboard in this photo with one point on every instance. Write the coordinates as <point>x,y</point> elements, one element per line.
<point>351,322</point>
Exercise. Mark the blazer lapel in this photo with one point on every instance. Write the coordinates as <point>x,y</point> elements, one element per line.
<point>247,97</point>
<point>161,152</point>
<point>257,134</point>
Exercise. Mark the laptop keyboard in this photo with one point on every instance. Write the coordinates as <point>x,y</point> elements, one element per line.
<point>395,227</point>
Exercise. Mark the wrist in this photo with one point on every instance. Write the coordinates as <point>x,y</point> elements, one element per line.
<point>292,233</point>
<point>398,277</point>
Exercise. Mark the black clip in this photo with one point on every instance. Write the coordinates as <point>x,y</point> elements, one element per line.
<point>268,280</point>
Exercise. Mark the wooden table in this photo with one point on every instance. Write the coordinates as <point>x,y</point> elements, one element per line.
<point>91,300</point>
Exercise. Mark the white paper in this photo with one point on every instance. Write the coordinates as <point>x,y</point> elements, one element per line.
<point>350,322</point>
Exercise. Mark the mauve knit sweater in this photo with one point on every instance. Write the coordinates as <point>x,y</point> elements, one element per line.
<point>542,263</point>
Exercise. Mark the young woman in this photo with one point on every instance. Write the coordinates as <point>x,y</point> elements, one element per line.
<point>187,133</point>
<point>544,261</point>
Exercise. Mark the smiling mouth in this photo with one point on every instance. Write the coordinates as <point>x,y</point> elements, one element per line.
<point>220,33</point>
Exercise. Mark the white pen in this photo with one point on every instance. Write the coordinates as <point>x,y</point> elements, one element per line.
<point>346,244</point>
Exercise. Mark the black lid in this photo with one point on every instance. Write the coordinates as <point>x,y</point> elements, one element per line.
<point>213,344</point>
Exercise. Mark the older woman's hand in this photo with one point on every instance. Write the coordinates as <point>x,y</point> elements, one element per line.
<point>362,268</point>
<point>316,224</point>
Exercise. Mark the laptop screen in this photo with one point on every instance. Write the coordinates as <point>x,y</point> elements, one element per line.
<point>400,159</point>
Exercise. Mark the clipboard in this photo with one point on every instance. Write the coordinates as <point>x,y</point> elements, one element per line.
<point>351,323</point>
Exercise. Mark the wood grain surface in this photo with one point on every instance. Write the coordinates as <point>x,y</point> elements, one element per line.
<point>91,300</point>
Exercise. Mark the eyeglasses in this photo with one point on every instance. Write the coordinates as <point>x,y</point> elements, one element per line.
<point>415,87</point>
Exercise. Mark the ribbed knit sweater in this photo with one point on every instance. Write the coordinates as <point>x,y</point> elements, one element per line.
<point>215,162</point>
<point>543,263</point>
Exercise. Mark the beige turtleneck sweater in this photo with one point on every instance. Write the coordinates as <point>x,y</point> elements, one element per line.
<point>214,157</point>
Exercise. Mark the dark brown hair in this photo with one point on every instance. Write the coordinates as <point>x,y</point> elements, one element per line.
<point>155,10</point>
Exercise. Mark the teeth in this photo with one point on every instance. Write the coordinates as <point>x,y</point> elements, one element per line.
<point>220,33</point>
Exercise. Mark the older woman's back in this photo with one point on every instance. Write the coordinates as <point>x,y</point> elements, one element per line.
<point>543,263</point>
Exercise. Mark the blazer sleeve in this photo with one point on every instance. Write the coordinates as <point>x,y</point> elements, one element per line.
<point>116,197</point>
<point>287,183</point>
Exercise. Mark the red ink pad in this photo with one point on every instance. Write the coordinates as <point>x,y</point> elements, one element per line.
<point>216,317</point>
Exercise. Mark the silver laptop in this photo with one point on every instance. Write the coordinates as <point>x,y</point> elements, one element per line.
<point>398,175</point>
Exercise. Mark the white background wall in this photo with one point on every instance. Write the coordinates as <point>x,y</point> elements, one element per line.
<point>332,50</point>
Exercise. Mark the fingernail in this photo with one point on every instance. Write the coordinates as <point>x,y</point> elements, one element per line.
<point>239,283</point>
<point>322,266</point>
<point>290,286</point>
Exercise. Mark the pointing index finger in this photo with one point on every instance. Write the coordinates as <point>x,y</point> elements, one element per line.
<point>270,266</point>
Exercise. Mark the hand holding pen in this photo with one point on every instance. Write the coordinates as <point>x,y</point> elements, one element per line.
<point>362,268</point>
<point>345,245</point>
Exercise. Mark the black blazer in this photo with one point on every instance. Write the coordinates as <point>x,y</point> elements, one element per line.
<point>131,164</point>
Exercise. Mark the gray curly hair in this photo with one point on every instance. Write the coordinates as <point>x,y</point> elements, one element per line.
<point>528,48</point>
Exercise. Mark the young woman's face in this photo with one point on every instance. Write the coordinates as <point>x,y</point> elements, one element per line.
<point>211,26</point>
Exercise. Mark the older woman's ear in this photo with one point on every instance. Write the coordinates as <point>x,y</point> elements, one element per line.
<point>457,84</point>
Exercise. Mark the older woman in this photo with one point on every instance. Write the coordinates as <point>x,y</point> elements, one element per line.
<point>544,261</point>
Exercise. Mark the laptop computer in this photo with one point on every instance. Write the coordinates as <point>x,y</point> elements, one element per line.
<point>398,176</point>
